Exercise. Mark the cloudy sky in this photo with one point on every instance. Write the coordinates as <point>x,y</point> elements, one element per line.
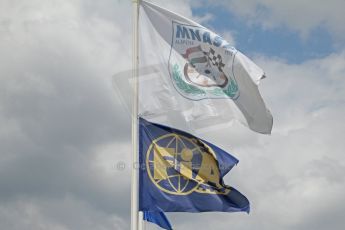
<point>64,129</point>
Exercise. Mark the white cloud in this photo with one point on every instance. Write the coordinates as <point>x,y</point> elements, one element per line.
<point>293,178</point>
<point>63,130</point>
<point>229,37</point>
<point>58,113</point>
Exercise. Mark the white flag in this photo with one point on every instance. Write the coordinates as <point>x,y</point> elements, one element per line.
<point>196,76</point>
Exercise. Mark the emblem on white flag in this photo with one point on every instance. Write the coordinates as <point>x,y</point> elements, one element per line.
<point>197,64</point>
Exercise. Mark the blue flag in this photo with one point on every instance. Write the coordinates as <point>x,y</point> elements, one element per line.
<point>182,173</point>
<point>158,218</point>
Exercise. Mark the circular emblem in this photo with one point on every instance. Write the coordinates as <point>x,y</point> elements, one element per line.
<point>173,163</point>
<point>205,76</point>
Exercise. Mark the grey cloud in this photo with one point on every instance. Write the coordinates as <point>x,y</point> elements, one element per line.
<point>58,111</point>
<point>63,130</point>
<point>293,178</point>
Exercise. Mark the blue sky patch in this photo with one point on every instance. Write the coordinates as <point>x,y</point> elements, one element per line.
<point>279,42</point>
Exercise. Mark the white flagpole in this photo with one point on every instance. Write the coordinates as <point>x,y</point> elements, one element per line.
<point>141,221</point>
<point>135,73</point>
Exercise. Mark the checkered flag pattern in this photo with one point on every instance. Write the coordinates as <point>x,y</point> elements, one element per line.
<point>216,60</point>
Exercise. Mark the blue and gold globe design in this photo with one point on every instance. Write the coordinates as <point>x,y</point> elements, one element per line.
<point>174,163</point>
<point>183,173</point>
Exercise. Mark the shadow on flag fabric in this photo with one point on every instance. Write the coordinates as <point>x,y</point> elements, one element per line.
<point>182,173</point>
<point>196,74</point>
<point>158,218</point>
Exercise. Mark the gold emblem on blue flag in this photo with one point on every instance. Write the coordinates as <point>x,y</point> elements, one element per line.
<point>180,165</point>
<point>184,173</point>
